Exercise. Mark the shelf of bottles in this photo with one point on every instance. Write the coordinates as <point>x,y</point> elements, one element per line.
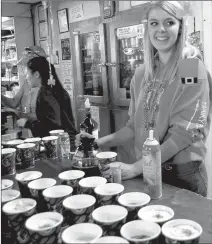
<point>131,55</point>
<point>91,60</point>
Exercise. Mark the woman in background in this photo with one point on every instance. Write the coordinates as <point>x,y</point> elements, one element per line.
<point>163,99</point>
<point>53,104</point>
<point>23,104</point>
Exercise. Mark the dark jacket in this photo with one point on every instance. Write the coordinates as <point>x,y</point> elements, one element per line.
<point>52,113</point>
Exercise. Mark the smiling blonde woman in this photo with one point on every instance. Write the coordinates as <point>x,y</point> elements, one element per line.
<point>170,94</point>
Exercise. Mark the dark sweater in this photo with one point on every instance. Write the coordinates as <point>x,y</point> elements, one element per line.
<point>52,113</point>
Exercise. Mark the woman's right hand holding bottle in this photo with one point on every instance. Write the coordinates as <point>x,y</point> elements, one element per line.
<point>81,135</point>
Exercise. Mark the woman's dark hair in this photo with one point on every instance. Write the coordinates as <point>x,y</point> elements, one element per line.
<point>41,65</point>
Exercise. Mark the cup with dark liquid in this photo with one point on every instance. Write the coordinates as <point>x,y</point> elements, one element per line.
<point>141,231</point>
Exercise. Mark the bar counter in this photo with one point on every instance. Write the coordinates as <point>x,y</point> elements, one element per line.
<point>185,204</point>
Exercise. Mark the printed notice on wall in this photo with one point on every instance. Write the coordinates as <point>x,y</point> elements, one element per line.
<point>76,13</point>
<point>95,115</point>
<point>66,50</point>
<point>66,69</point>
<point>130,31</point>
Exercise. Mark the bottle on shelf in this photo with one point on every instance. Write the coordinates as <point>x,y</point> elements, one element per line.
<point>152,167</point>
<point>89,125</point>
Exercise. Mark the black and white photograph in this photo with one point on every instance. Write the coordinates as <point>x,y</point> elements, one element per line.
<point>106,122</point>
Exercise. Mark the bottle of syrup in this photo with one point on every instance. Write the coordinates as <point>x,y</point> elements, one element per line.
<point>89,125</point>
<point>152,167</point>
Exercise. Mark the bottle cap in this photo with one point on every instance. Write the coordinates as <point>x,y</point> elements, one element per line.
<point>151,135</point>
<point>87,103</point>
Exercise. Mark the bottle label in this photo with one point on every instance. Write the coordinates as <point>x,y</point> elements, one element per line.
<point>152,171</point>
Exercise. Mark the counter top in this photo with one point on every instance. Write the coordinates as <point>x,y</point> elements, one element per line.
<point>185,204</point>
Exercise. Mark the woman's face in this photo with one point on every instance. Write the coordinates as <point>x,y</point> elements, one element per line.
<point>33,78</point>
<point>163,29</point>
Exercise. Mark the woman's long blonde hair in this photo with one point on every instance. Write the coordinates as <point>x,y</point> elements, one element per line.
<point>171,68</point>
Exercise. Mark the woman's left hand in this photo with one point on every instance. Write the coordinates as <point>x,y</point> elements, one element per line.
<point>21,122</point>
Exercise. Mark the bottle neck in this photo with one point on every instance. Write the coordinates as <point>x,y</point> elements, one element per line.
<point>88,113</point>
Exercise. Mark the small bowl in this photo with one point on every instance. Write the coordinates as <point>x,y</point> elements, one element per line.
<point>78,208</point>
<point>44,227</point>
<point>41,184</point>
<point>182,230</point>
<point>6,184</point>
<point>55,132</point>
<point>55,195</point>
<point>110,218</point>
<point>109,214</point>
<point>156,213</point>
<point>108,193</point>
<point>88,184</point>
<point>14,143</point>
<point>20,206</point>
<point>82,233</point>
<point>17,212</point>
<point>71,178</point>
<point>9,195</point>
<point>134,200</point>
<point>111,239</point>
<point>140,231</point>
<point>32,140</point>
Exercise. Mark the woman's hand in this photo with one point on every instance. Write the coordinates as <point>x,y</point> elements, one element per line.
<point>21,122</point>
<point>129,171</point>
<point>80,135</point>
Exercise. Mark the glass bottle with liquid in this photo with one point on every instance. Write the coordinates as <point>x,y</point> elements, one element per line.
<point>89,125</point>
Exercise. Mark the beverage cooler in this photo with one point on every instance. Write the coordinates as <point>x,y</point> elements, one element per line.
<point>105,56</point>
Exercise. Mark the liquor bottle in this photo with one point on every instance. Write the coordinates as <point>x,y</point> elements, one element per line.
<point>89,125</point>
<point>152,167</point>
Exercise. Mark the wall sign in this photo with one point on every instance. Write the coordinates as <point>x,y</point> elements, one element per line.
<point>41,13</point>
<point>66,50</point>
<point>44,45</point>
<point>43,29</point>
<point>76,13</point>
<point>63,20</point>
<point>130,31</point>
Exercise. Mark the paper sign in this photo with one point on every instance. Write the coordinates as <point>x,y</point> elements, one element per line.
<point>76,13</point>
<point>130,31</point>
<point>95,115</point>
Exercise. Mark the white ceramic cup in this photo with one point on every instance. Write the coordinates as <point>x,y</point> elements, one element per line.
<point>182,230</point>
<point>108,193</point>
<point>6,184</point>
<point>156,213</point>
<point>82,233</point>
<point>140,231</point>
<point>44,227</point>
<point>55,195</point>
<point>88,184</point>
